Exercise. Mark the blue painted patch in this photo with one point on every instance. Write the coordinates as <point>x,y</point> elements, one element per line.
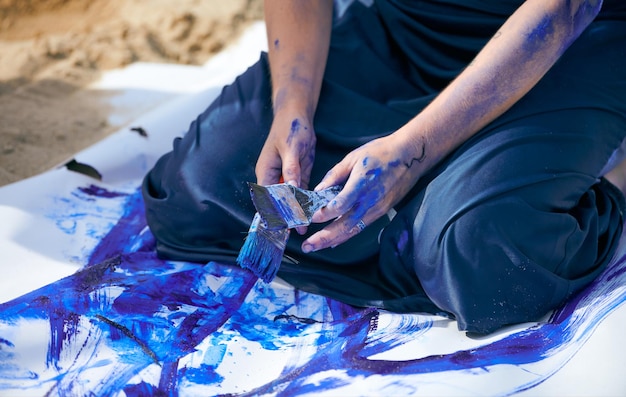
<point>133,323</point>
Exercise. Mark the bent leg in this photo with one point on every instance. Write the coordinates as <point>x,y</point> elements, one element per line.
<point>515,223</point>
<point>197,201</point>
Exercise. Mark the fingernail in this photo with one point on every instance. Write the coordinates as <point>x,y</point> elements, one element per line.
<point>319,186</point>
<point>306,248</point>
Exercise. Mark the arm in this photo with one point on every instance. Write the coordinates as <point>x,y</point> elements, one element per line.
<point>379,174</point>
<point>298,39</point>
<point>516,58</point>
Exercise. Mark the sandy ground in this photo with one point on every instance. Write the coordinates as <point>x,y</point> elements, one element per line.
<point>50,50</point>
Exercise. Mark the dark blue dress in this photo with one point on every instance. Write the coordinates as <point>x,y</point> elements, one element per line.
<point>503,230</point>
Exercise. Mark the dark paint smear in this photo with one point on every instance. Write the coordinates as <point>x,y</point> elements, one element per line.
<point>150,286</point>
<point>130,335</point>
<point>97,191</point>
<point>295,128</point>
<point>83,168</point>
<point>302,320</point>
<point>142,389</point>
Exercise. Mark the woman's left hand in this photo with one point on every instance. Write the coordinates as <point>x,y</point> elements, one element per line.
<point>376,176</point>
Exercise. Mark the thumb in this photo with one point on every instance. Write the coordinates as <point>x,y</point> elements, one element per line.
<point>291,171</point>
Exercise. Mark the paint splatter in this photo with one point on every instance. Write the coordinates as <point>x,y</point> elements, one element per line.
<point>131,323</point>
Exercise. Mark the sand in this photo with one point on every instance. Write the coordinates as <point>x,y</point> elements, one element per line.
<point>51,50</point>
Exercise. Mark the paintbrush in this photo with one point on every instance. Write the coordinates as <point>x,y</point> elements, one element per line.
<point>280,207</point>
<point>263,249</point>
<point>286,206</point>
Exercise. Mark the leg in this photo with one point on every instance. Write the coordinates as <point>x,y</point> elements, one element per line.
<point>516,223</point>
<point>197,201</point>
<point>517,219</point>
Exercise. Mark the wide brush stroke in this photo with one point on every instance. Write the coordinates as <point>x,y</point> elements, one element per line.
<point>131,323</point>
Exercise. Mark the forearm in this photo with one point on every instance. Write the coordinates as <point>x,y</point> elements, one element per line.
<point>513,61</point>
<point>298,40</point>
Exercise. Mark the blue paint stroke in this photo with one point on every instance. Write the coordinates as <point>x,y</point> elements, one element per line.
<point>295,128</point>
<point>182,321</point>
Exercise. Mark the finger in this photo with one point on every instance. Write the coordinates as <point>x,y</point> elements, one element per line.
<point>336,233</point>
<point>306,169</point>
<point>268,167</point>
<point>354,191</point>
<point>268,176</point>
<point>335,176</point>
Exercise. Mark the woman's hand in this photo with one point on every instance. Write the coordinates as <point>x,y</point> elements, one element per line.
<point>379,174</point>
<point>298,36</point>
<point>376,177</point>
<point>289,151</point>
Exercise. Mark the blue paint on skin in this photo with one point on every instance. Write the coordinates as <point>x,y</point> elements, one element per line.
<point>276,44</point>
<point>374,173</point>
<point>587,11</point>
<point>395,164</point>
<point>369,193</point>
<point>293,131</point>
<point>539,35</point>
<point>145,309</point>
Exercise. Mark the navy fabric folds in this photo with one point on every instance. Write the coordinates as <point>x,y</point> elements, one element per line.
<point>505,229</point>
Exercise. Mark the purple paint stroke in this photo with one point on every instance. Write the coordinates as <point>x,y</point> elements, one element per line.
<point>100,192</point>
<point>129,231</point>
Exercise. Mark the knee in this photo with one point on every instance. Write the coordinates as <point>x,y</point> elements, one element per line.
<point>486,267</point>
<point>189,213</point>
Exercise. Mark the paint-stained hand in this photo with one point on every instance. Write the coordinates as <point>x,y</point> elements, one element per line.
<point>289,151</point>
<point>375,176</point>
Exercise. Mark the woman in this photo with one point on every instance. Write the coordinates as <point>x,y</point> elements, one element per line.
<point>470,137</point>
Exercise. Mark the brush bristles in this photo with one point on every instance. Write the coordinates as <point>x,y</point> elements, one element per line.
<point>263,250</point>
